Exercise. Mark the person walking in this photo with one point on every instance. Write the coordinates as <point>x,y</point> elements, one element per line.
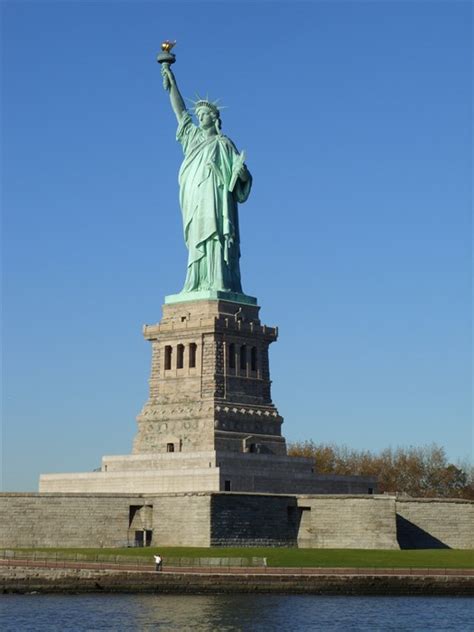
<point>158,562</point>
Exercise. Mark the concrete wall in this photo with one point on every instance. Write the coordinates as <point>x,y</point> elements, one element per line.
<point>34,520</point>
<point>133,481</point>
<point>347,522</point>
<point>268,474</point>
<point>308,521</point>
<point>92,520</point>
<point>182,520</point>
<point>202,519</point>
<point>253,520</point>
<point>429,523</point>
<point>207,471</point>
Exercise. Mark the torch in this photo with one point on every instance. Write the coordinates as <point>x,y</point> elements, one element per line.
<point>166,58</point>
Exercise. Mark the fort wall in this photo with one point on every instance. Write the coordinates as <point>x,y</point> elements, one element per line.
<point>240,519</point>
<point>364,522</point>
<point>430,523</point>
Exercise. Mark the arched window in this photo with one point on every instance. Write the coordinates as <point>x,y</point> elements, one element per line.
<point>253,359</point>
<point>180,357</point>
<point>168,357</point>
<point>231,359</point>
<point>243,357</point>
<point>192,355</point>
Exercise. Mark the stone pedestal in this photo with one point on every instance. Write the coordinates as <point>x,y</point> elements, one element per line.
<point>210,382</point>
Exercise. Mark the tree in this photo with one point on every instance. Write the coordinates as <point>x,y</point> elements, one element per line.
<point>417,471</point>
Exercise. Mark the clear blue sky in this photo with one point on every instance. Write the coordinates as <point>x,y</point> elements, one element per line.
<point>356,121</point>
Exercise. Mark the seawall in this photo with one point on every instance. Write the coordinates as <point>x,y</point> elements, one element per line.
<point>73,581</point>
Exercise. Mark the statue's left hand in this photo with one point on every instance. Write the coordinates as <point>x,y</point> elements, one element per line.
<point>244,173</point>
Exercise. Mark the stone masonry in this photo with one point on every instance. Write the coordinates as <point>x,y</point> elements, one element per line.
<point>210,382</point>
<point>233,519</point>
<point>430,523</point>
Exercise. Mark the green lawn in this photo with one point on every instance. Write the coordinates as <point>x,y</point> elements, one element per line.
<point>283,557</point>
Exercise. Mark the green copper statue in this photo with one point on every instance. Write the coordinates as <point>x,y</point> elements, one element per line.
<point>213,179</point>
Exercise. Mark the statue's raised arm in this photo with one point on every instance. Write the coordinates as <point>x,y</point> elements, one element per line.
<point>165,59</point>
<point>169,83</point>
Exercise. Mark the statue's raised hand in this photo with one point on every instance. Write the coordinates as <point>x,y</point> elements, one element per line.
<point>167,76</point>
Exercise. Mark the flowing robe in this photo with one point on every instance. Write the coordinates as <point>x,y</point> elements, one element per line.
<point>209,192</point>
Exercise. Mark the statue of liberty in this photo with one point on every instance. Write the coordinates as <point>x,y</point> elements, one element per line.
<point>213,179</point>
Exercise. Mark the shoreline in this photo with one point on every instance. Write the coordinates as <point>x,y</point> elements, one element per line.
<point>22,580</point>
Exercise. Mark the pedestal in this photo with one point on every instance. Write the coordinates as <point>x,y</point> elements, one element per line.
<point>210,381</point>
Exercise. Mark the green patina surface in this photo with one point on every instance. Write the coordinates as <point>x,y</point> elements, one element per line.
<point>206,295</point>
<point>282,557</point>
<point>213,180</point>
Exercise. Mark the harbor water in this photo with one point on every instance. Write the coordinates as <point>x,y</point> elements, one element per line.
<point>81,613</point>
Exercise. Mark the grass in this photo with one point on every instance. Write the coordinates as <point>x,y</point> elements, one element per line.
<point>292,557</point>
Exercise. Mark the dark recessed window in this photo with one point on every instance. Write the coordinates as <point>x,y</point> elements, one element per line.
<point>192,355</point>
<point>227,486</point>
<point>243,357</point>
<point>231,356</point>
<point>370,490</point>
<point>168,356</point>
<point>180,357</point>
<point>253,359</point>
<point>170,447</point>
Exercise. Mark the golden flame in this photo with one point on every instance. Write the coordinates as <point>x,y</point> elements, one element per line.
<point>167,46</point>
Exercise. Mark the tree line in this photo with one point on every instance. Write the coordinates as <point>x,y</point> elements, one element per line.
<point>417,471</point>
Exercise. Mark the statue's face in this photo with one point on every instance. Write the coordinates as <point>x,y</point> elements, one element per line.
<point>206,118</point>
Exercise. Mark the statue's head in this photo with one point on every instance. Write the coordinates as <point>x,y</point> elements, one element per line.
<point>208,114</point>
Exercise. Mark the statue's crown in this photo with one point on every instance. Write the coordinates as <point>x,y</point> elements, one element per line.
<point>205,103</point>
